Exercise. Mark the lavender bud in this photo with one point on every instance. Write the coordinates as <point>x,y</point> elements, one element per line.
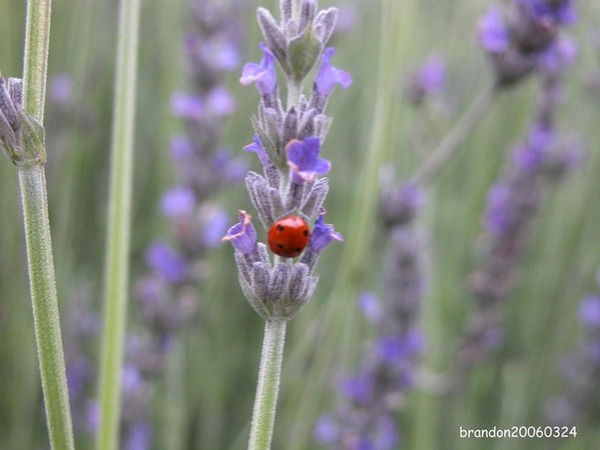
<point>273,34</point>
<point>297,284</point>
<point>308,10</point>
<point>285,7</point>
<point>8,106</point>
<point>277,208</point>
<point>260,280</point>
<point>312,201</point>
<point>260,195</point>
<point>280,278</point>
<point>302,53</point>
<point>325,24</point>
<point>290,126</point>
<point>273,176</point>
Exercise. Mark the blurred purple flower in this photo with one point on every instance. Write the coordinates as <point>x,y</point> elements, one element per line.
<point>326,431</point>
<point>61,89</point>
<point>178,202</point>
<point>550,13</point>
<point>492,32</point>
<point>371,306</point>
<point>166,262</point>
<point>139,436</point>
<point>589,313</point>
<point>215,224</point>
<point>359,388</point>
<point>498,217</point>
<point>182,148</point>
<point>304,161</point>
<point>263,73</point>
<point>561,54</point>
<point>395,350</point>
<point>221,102</point>
<point>187,106</point>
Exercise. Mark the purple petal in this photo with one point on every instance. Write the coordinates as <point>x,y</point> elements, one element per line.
<point>242,235</point>
<point>328,76</point>
<point>257,147</point>
<point>263,73</point>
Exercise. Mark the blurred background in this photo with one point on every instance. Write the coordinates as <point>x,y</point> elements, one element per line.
<point>202,395</point>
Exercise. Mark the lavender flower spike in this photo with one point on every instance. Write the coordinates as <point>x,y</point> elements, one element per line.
<point>290,195</point>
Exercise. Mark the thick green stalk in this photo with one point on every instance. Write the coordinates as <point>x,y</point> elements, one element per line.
<point>265,403</point>
<point>118,230</point>
<point>35,64</point>
<point>32,182</point>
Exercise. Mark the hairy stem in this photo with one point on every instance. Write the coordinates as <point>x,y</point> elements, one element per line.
<point>265,403</point>
<point>118,230</point>
<point>32,183</point>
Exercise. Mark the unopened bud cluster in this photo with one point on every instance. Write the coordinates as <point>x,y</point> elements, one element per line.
<point>288,143</point>
<point>21,136</point>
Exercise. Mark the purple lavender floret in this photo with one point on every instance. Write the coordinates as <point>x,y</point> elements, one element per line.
<point>323,234</point>
<point>242,235</point>
<point>328,76</point>
<point>257,147</point>
<point>304,161</point>
<point>262,74</point>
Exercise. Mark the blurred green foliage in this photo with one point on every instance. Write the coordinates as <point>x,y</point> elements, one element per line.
<point>206,399</point>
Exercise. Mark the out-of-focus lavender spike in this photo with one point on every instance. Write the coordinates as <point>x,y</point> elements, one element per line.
<point>517,38</point>
<point>579,402</point>
<point>425,82</point>
<point>168,296</point>
<point>513,203</point>
<point>366,417</point>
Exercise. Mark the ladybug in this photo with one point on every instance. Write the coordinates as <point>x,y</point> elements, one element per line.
<point>289,236</point>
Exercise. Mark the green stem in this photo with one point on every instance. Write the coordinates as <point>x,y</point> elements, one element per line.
<point>32,182</point>
<point>45,305</point>
<point>35,64</point>
<point>451,142</point>
<point>118,230</point>
<point>263,416</point>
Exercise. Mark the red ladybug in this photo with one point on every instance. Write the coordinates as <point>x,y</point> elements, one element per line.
<point>289,236</point>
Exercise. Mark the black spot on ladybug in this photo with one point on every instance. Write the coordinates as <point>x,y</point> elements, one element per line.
<point>305,233</point>
<point>280,228</point>
<point>280,245</point>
